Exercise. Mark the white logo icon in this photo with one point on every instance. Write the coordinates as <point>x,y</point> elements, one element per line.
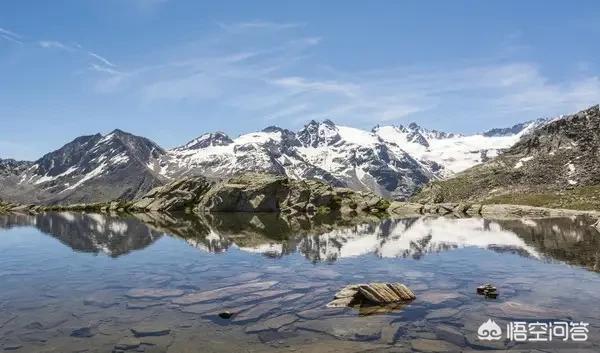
<point>489,331</point>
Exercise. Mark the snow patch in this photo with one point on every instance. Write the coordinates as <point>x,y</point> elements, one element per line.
<point>94,173</point>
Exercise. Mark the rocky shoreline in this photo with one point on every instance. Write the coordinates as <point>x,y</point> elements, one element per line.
<point>259,193</point>
<point>497,211</point>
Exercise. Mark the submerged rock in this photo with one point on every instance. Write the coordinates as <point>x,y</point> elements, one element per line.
<point>144,330</point>
<point>153,293</point>
<point>127,344</point>
<point>83,332</point>
<point>373,293</point>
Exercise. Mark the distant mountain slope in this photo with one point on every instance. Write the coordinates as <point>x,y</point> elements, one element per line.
<point>392,161</point>
<point>87,169</point>
<point>557,165</point>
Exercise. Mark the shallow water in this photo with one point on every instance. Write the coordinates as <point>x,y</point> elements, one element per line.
<point>73,282</point>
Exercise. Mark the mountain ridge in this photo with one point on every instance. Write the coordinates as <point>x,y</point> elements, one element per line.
<point>556,165</point>
<point>391,161</point>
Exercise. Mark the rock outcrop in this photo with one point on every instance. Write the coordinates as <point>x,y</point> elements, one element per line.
<point>256,193</point>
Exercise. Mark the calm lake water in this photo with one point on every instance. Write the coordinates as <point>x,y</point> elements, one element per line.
<point>72,282</point>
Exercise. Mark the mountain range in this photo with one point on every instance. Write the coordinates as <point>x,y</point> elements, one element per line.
<point>555,165</point>
<point>391,161</point>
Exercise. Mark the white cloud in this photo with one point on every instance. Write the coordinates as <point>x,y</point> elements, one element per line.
<point>300,84</point>
<point>53,44</point>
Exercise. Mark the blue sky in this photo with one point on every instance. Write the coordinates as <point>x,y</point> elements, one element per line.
<point>171,70</point>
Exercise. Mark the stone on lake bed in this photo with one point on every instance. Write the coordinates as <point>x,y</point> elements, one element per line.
<point>205,296</point>
<point>372,293</point>
<point>12,346</point>
<point>436,298</point>
<point>142,305</point>
<point>83,332</point>
<point>154,293</point>
<point>128,343</point>
<point>144,330</point>
<point>274,323</point>
<point>430,345</point>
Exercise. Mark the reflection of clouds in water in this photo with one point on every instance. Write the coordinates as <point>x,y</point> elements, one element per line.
<point>444,233</point>
<point>413,239</point>
<point>272,249</point>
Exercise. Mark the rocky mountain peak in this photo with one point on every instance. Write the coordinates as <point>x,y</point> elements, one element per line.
<point>206,140</point>
<point>414,126</point>
<point>315,134</point>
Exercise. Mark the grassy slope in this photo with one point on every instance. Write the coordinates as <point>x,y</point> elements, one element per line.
<point>495,184</point>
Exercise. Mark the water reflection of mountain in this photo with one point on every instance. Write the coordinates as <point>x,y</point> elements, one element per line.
<point>324,239</point>
<point>88,232</point>
<point>571,240</point>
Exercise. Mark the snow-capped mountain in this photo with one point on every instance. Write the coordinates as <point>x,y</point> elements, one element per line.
<point>88,169</point>
<point>392,161</point>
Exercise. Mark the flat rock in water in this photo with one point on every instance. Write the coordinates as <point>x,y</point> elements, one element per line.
<point>291,297</point>
<point>348,327</point>
<point>256,312</point>
<point>318,312</point>
<point>439,297</point>
<point>150,330</point>
<point>266,294</point>
<point>142,305</point>
<point>200,308</point>
<point>199,297</point>
<point>274,323</point>
<point>512,310</point>
<point>433,346</point>
<point>372,293</point>
<point>449,334</point>
<point>154,293</point>
<point>442,314</point>
<point>12,346</point>
<point>83,332</point>
<point>7,318</point>
<point>127,343</point>
<point>230,309</point>
<point>306,285</point>
<point>101,299</point>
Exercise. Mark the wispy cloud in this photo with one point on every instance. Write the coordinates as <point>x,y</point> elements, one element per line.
<point>274,79</point>
<point>100,64</point>
<point>101,59</point>
<point>53,44</point>
<point>10,36</point>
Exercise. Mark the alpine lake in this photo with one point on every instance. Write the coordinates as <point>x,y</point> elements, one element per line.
<point>85,282</point>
